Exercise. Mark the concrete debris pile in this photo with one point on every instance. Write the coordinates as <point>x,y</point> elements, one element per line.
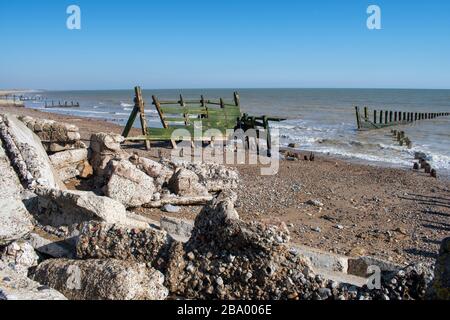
<point>62,141</point>
<point>136,181</point>
<point>58,244</point>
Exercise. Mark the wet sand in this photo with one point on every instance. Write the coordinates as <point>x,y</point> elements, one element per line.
<point>395,214</point>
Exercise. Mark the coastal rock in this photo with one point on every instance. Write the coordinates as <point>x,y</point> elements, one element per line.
<point>14,286</point>
<point>186,183</point>
<point>441,284</point>
<point>102,241</point>
<point>102,279</point>
<point>15,221</point>
<point>129,185</point>
<point>20,256</point>
<point>65,208</point>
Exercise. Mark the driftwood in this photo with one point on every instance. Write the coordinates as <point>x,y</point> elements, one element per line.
<point>180,201</point>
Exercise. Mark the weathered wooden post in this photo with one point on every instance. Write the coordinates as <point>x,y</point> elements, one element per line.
<point>237,99</point>
<point>381,116</point>
<point>395,116</point>
<point>375,116</point>
<point>390,116</point>
<point>358,119</point>
<point>386,117</point>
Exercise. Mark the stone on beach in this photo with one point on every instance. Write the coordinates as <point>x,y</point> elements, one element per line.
<point>102,279</point>
<point>15,221</point>
<point>129,185</point>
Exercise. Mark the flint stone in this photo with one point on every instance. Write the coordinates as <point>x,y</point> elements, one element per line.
<point>14,286</point>
<point>441,283</point>
<point>186,183</point>
<point>20,256</point>
<point>103,241</point>
<point>129,185</point>
<point>15,221</point>
<point>170,208</point>
<point>102,279</point>
<point>65,208</point>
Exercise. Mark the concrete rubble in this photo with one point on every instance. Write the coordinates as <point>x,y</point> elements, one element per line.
<point>14,286</point>
<point>15,221</point>
<point>55,136</point>
<point>57,243</point>
<point>102,279</point>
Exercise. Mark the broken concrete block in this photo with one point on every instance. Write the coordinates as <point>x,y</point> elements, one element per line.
<point>186,183</point>
<point>9,182</point>
<point>27,154</point>
<point>51,247</point>
<point>102,241</point>
<point>359,266</point>
<point>14,286</point>
<point>129,185</point>
<point>20,256</point>
<point>65,158</point>
<point>177,227</point>
<point>102,279</point>
<point>65,208</point>
<point>15,221</point>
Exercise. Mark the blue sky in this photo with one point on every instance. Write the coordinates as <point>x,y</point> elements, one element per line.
<point>224,44</point>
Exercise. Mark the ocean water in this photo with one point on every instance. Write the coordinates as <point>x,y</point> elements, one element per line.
<point>320,120</point>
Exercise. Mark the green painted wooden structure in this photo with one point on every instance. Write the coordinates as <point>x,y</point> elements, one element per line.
<point>201,120</point>
<point>386,118</point>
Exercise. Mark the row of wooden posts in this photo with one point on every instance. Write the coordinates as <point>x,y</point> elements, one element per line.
<point>20,97</point>
<point>384,118</point>
<point>65,104</point>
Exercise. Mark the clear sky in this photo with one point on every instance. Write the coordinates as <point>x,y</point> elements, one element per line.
<point>224,43</point>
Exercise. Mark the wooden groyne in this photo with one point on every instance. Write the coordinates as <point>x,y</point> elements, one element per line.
<point>63,104</point>
<point>386,118</point>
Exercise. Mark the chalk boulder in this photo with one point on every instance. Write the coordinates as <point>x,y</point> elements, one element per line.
<point>186,183</point>
<point>20,256</point>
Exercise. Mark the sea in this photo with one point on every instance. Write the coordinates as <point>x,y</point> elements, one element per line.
<point>317,120</point>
